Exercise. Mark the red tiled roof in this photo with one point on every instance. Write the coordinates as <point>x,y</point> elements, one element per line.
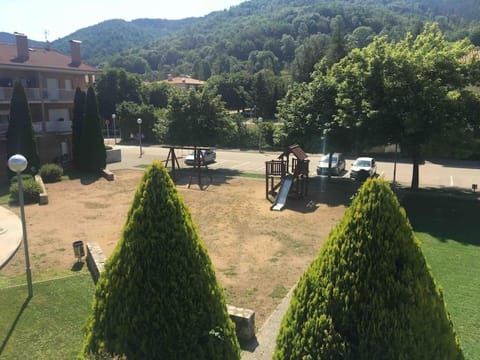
<point>473,54</point>
<point>184,80</point>
<point>41,58</point>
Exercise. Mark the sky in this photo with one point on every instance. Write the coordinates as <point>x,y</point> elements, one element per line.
<point>59,18</point>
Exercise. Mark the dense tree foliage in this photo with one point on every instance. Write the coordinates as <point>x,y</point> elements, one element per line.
<point>262,34</point>
<point>369,294</point>
<point>404,92</point>
<point>158,296</point>
<point>197,118</point>
<point>92,148</point>
<point>127,115</point>
<point>20,135</point>
<point>115,86</point>
<point>253,51</point>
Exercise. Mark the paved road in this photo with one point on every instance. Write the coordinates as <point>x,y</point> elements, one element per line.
<point>461,174</point>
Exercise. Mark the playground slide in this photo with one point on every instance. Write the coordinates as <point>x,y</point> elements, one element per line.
<point>282,195</point>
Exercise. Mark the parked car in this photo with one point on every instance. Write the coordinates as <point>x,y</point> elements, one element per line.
<point>362,168</point>
<point>337,166</point>
<point>203,157</point>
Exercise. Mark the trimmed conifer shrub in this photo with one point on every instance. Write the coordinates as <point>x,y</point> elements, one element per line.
<point>370,293</point>
<point>20,135</point>
<point>92,156</point>
<point>77,122</point>
<point>158,297</point>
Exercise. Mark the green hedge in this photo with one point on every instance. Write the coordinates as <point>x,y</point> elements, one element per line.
<point>51,173</point>
<point>31,191</point>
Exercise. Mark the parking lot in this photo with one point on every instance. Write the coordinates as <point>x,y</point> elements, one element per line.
<point>433,173</point>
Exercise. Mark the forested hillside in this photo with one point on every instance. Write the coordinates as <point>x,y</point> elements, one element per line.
<point>257,34</point>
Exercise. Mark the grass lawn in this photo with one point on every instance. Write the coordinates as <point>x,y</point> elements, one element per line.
<point>50,325</point>
<point>450,236</point>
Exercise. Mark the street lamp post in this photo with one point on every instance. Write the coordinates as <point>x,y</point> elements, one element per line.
<point>324,141</point>
<point>259,134</point>
<point>17,163</point>
<point>114,129</point>
<point>139,122</point>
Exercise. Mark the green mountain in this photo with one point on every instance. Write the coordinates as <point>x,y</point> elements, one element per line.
<point>101,41</point>
<point>263,34</point>
<point>8,38</point>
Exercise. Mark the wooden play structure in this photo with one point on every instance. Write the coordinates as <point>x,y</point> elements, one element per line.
<point>288,175</point>
<point>198,163</point>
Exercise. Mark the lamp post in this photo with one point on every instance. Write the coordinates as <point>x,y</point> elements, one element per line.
<point>17,163</point>
<point>114,129</point>
<point>395,164</point>
<point>325,132</point>
<point>259,134</point>
<point>139,122</point>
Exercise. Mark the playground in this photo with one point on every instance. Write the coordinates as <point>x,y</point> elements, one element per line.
<point>258,254</point>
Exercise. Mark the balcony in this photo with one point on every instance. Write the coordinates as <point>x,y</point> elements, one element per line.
<point>37,95</point>
<point>50,127</point>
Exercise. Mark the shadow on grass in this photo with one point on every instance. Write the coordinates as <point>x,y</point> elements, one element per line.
<point>445,213</point>
<point>14,324</point>
<point>205,177</point>
<point>78,266</point>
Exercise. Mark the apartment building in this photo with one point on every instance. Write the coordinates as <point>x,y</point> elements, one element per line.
<point>50,79</point>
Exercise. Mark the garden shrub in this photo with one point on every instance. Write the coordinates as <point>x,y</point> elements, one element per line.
<point>31,190</point>
<point>369,294</point>
<point>158,297</point>
<point>51,173</point>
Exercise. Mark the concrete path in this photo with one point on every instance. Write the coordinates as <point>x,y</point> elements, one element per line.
<point>264,346</point>
<point>11,235</point>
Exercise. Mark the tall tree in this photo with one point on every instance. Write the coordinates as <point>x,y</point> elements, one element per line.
<point>92,146</point>
<point>370,293</point>
<point>114,87</point>
<point>77,122</point>
<point>402,92</point>
<point>158,296</point>
<point>197,118</point>
<point>20,135</point>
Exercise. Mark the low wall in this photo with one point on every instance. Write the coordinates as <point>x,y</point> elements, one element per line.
<point>114,155</point>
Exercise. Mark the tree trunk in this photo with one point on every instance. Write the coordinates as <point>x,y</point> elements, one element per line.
<point>415,174</point>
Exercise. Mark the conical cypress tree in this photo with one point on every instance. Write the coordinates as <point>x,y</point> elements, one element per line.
<point>20,135</point>
<point>78,114</point>
<point>369,294</point>
<point>92,148</point>
<point>158,297</point>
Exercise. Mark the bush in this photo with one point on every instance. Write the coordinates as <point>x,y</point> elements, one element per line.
<point>158,296</point>
<point>31,191</point>
<point>51,173</point>
<point>24,176</point>
<point>369,294</point>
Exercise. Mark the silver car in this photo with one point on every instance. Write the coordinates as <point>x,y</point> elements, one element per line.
<point>337,166</point>
<point>203,157</point>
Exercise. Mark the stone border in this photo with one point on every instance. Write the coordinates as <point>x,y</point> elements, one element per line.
<point>244,319</point>
<point>107,174</point>
<point>43,197</point>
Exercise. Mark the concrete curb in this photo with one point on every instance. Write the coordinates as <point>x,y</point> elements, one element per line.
<point>11,235</point>
<point>265,342</point>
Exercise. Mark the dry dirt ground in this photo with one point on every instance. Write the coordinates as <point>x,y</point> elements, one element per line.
<point>258,254</point>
